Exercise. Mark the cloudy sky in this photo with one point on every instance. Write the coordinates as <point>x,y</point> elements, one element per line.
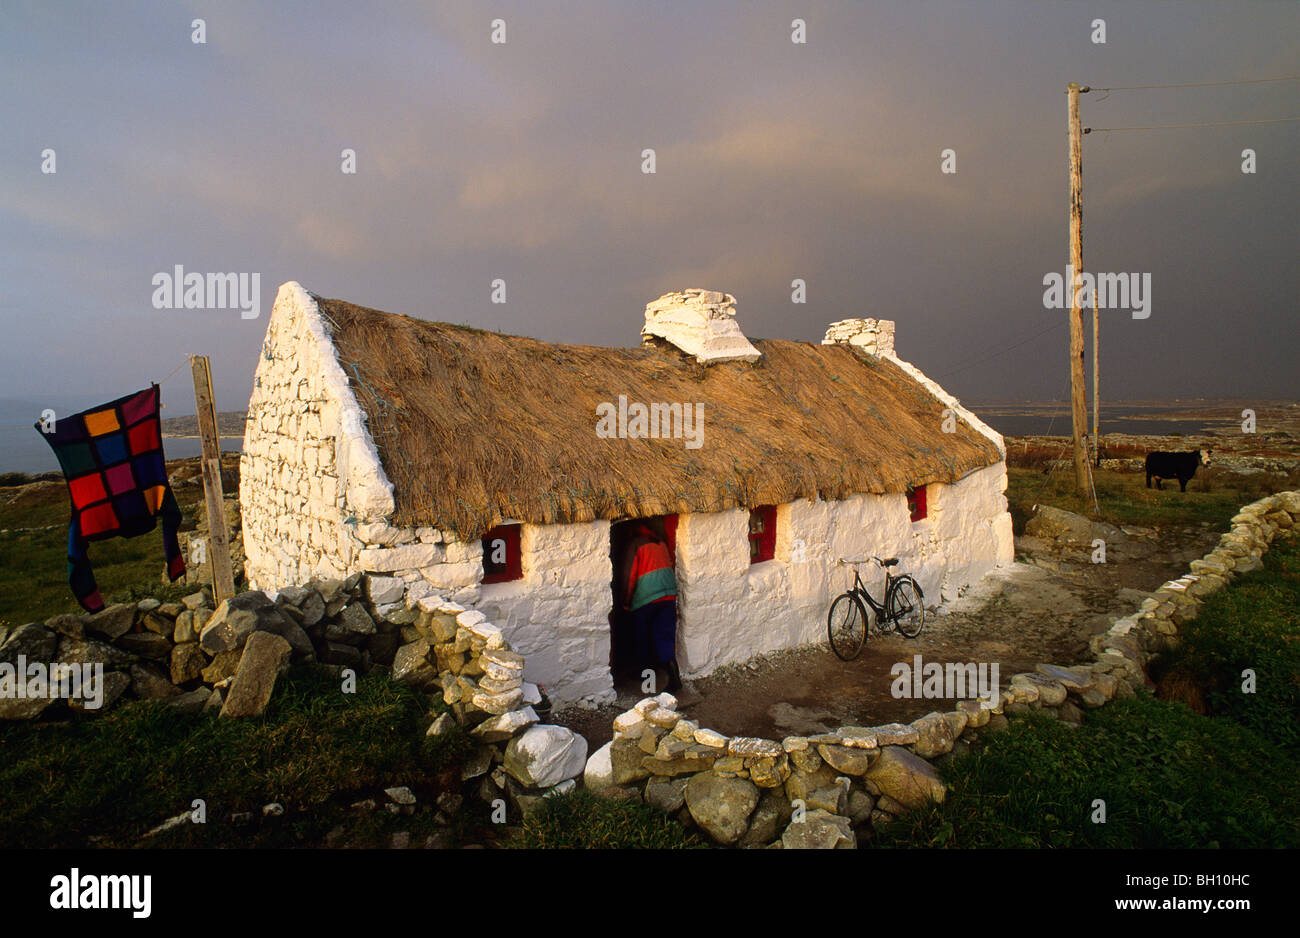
<point>774,161</point>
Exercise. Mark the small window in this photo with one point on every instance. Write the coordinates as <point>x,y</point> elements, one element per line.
<point>762,533</point>
<point>916,503</point>
<point>501,555</point>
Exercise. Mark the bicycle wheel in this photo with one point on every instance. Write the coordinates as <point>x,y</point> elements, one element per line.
<point>907,607</point>
<point>846,624</point>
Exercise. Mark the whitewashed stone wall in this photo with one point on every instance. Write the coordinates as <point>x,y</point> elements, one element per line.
<point>307,463</point>
<point>730,610</point>
<point>557,615</point>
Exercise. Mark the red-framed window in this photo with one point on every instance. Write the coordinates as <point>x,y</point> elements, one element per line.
<point>916,503</point>
<point>502,559</point>
<point>762,533</point>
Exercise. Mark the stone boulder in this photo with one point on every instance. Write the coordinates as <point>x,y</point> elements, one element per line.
<point>772,813</point>
<point>721,806</point>
<point>23,708</point>
<point>353,625</point>
<point>114,685</point>
<point>112,622</point>
<point>266,656</point>
<point>666,794</point>
<point>146,644</point>
<point>1065,526</point>
<point>34,642</point>
<point>599,770</point>
<point>1051,693</point>
<point>224,665</point>
<point>906,777</point>
<point>498,729</point>
<point>239,617</point>
<point>187,663</point>
<point>90,651</point>
<point>411,665</point>
<point>543,756</point>
<point>846,760</point>
<point>149,682</point>
<point>819,830</point>
<point>935,736</point>
<point>191,702</point>
<point>68,625</point>
<point>1073,679</point>
<point>293,633</point>
<point>625,758</point>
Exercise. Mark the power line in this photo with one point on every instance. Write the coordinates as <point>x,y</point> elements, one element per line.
<point>1272,120</point>
<point>1201,84</point>
<point>980,361</point>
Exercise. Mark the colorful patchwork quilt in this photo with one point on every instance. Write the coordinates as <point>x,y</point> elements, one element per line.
<point>112,458</point>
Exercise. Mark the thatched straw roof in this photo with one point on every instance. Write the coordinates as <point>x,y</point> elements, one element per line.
<point>475,427</point>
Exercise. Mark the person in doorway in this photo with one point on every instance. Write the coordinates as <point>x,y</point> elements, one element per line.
<point>651,591</point>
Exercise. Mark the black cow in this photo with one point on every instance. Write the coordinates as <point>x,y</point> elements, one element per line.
<point>1180,466</point>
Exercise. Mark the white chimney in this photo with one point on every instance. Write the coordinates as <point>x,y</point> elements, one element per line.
<point>873,336</point>
<point>700,323</point>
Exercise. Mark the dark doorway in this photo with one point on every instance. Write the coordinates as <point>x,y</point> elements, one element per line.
<point>624,667</point>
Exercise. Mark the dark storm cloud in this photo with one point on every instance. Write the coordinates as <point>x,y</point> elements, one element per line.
<point>775,161</point>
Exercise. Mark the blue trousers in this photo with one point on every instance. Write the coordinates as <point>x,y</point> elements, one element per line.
<point>654,631</point>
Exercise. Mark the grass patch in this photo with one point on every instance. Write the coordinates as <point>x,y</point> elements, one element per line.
<point>118,775</point>
<point>1125,499</point>
<point>34,565</point>
<point>1253,625</point>
<point>1169,779</point>
<point>580,820</point>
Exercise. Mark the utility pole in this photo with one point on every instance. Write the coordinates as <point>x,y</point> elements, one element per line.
<point>1078,404</point>
<point>223,581</point>
<point>1096,381</point>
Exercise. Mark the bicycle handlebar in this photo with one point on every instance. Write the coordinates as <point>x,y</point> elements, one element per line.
<point>842,561</point>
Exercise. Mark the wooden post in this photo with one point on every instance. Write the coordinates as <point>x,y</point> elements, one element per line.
<point>223,579</point>
<point>1096,380</point>
<point>1078,404</point>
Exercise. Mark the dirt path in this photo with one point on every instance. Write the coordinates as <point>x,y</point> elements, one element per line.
<point>1043,608</point>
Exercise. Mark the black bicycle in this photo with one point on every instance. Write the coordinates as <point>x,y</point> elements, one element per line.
<point>903,609</point>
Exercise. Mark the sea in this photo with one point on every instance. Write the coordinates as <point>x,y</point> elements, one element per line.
<point>1054,420</point>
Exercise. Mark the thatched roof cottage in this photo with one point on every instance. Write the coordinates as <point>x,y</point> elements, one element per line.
<point>495,470</point>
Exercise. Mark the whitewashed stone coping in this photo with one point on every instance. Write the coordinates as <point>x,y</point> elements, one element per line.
<point>431,604</point>
<point>391,559</point>
<point>491,635</point>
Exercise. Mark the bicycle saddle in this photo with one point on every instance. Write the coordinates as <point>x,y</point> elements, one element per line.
<point>891,562</point>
